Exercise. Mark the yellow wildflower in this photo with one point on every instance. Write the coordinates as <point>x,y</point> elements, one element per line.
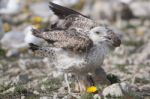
<point>37,19</point>
<point>91,89</point>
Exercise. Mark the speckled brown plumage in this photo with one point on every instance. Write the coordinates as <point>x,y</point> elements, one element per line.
<point>80,34</point>
<point>71,18</point>
<point>78,21</point>
<point>67,39</point>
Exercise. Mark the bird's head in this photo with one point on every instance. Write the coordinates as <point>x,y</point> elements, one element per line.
<point>103,34</point>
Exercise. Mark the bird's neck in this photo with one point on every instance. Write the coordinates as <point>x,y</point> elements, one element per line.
<point>97,54</point>
<point>103,47</point>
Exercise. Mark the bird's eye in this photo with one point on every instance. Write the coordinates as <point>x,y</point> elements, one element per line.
<point>97,32</point>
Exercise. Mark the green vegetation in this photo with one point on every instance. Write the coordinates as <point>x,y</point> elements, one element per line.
<point>122,67</point>
<point>113,97</point>
<point>113,78</point>
<point>134,43</point>
<point>2,52</point>
<point>129,26</point>
<point>52,84</point>
<point>20,89</point>
<point>87,96</point>
<point>4,87</point>
<point>79,5</point>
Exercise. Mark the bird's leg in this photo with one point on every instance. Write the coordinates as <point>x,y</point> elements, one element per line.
<point>66,80</point>
<point>90,81</point>
<point>85,82</point>
<point>80,86</point>
<point>69,89</point>
<point>77,89</point>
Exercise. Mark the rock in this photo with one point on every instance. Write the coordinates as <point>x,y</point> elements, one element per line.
<point>44,97</point>
<point>23,17</point>
<point>1,29</point>
<point>110,11</point>
<point>43,9</point>
<point>16,42</point>
<point>96,96</point>
<point>120,90</point>
<point>5,80</point>
<point>12,39</point>
<point>147,23</point>
<point>143,56</point>
<point>126,1</point>
<point>11,7</point>
<point>122,11</point>
<point>9,90</point>
<point>141,8</point>
<point>25,64</point>
<point>145,77</point>
<point>65,2</point>
<point>33,84</point>
<point>35,73</point>
<point>43,88</point>
<point>36,92</point>
<point>145,88</point>
<point>23,97</point>
<point>13,71</point>
<point>12,53</point>
<point>102,10</point>
<point>22,79</point>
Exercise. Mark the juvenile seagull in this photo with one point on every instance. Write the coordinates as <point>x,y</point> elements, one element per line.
<point>78,47</point>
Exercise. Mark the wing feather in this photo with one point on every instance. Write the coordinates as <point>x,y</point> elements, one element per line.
<point>67,39</point>
<point>72,19</point>
<point>43,51</point>
<point>78,21</point>
<point>61,11</point>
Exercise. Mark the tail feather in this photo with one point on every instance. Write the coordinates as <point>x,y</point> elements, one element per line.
<point>43,51</point>
<point>61,11</point>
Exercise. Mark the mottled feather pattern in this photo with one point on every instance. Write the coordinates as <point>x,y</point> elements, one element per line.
<point>72,19</point>
<point>43,51</point>
<point>79,21</point>
<point>67,39</point>
<point>61,11</point>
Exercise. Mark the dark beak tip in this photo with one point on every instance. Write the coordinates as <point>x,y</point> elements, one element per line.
<point>117,43</point>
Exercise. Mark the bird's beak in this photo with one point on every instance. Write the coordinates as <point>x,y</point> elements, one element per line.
<point>116,42</point>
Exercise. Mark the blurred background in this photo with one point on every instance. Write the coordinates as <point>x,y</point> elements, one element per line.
<point>21,72</point>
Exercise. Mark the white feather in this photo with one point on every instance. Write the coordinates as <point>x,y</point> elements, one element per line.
<point>29,37</point>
